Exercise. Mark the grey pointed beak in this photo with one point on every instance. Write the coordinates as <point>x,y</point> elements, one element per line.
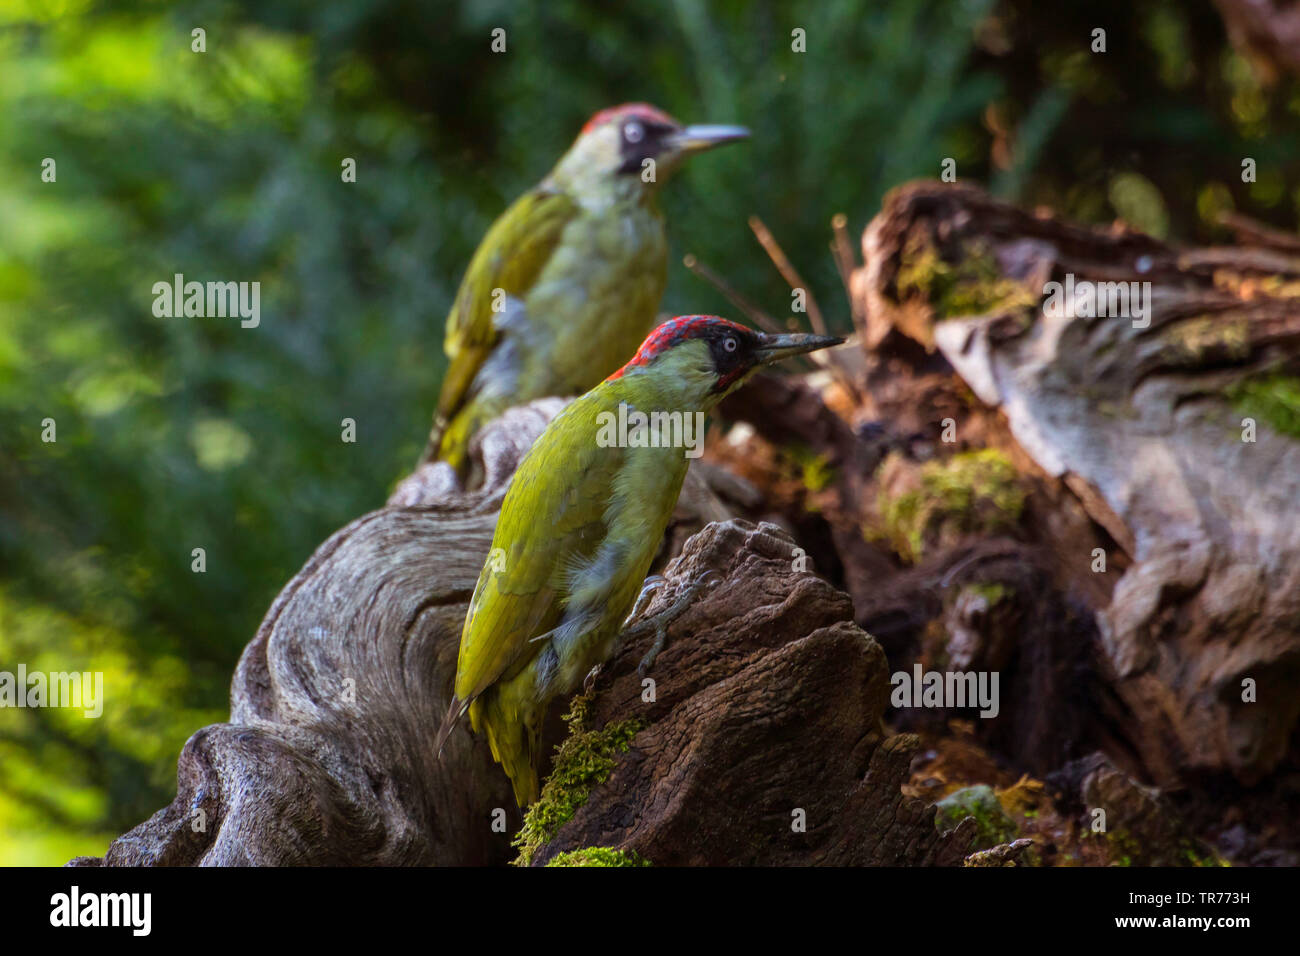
<point>774,348</point>
<point>695,139</point>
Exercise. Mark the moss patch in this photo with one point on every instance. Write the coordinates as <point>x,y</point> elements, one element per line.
<point>972,492</point>
<point>1126,850</point>
<point>816,473</point>
<point>1204,337</point>
<point>972,286</point>
<point>993,826</point>
<point>993,593</point>
<point>598,856</point>
<point>1273,399</point>
<point>584,760</point>
<point>1206,856</point>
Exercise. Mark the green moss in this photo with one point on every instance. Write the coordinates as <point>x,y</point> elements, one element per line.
<point>973,286</point>
<point>993,826</point>
<point>993,593</point>
<point>815,471</point>
<point>1273,398</point>
<point>584,760</point>
<point>1194,340</point>
<point>972,492</point>
<point>598,856</point>
<point>1127,850</point>
<point>1195,856</point>
<point>1124,848</point>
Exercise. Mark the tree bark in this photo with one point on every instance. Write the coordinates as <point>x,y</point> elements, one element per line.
<point>1135,419</point>
<point>328,755</point>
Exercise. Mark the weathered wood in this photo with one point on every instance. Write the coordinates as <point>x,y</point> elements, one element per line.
<point>328,755</point>
<point>771,698</point>
<point>1133,416</point>
<point>767,710</point>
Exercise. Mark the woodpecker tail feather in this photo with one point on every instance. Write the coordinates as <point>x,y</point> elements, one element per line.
<point>454,713</point>
<point>511,737</point>
<point>450,437</point>
<point>434,444</point>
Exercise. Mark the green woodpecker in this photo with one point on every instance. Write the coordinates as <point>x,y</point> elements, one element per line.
<point>583,519</point>
<point>567,281</point>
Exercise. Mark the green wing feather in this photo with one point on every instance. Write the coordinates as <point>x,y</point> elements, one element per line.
<point>510,258</point>
<point>547,526</point>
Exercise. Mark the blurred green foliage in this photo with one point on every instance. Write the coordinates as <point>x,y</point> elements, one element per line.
<point>175,434</point>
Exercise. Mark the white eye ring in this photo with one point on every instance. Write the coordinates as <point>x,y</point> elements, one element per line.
<point>729,344</point>
<point>633,132</point>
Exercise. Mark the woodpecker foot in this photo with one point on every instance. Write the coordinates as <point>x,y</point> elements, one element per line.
<point>660,622</point>
<point>652,584</point>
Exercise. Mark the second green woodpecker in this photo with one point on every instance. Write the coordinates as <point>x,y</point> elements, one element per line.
<point>567,281</point>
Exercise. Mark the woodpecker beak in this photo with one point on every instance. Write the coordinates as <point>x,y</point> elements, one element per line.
<point>774,348</point>
<point>696,139</point>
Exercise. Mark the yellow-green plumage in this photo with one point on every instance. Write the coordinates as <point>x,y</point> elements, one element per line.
<point>567,281</point>
<point>580,525</point>
<point>604,511</point>
<point>578,291</point>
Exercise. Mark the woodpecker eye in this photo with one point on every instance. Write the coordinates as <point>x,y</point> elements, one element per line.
<point>729,344</point>
<point>634,132</point>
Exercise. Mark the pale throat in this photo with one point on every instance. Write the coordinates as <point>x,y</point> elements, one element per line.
<point>588,173</point>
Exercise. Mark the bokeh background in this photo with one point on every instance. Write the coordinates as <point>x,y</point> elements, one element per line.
<point>182,433</point>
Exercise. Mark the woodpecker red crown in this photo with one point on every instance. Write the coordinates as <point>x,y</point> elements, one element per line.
<point>665,336</point>
<point>642,111</point>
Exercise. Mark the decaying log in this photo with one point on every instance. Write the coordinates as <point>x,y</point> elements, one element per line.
<point>770,700</point>
<point>328,757</point>
<point>1134,418</point>
<point>764,742</point>
<point>1139,821</point>
<point>763,736</point>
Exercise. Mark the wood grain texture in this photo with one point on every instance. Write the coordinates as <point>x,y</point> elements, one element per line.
<point>770,699</point>
<point>1135,421</point>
